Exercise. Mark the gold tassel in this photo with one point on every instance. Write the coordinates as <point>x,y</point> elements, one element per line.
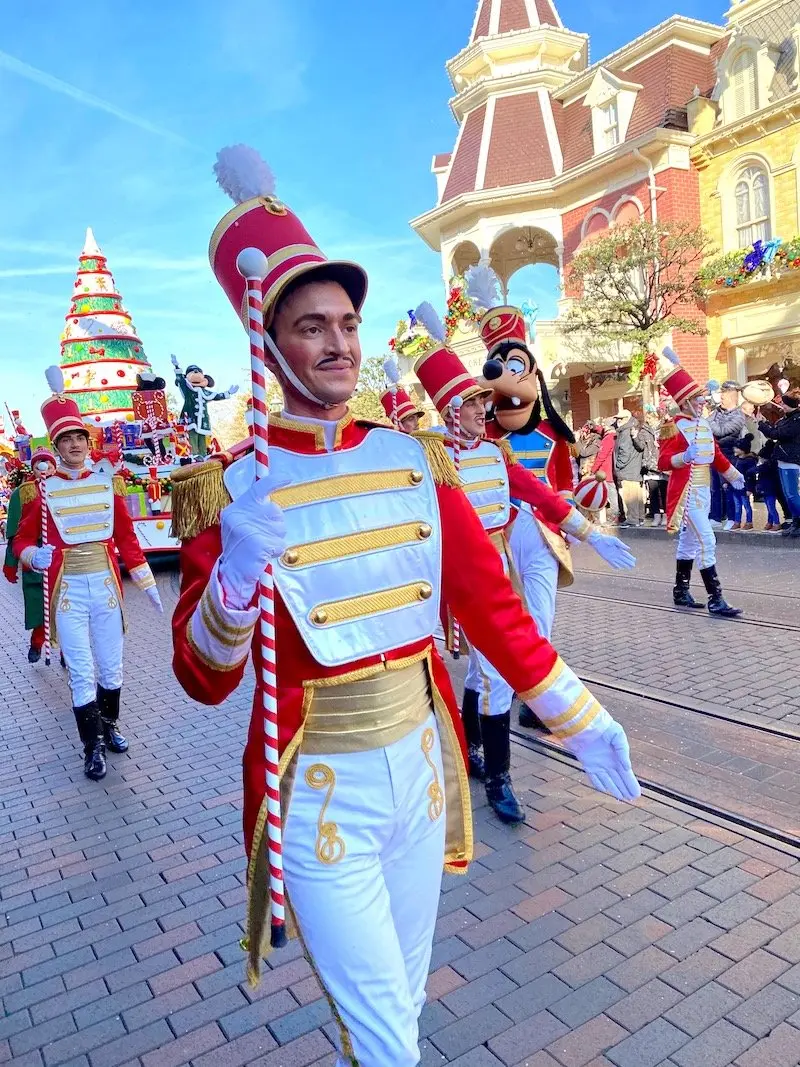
<point>668,431</point>
<point>27,493</point>
<point>118,485</point>
<point>198,497</point>
<point>507,450</point>
<point>442,469</point>
<point>574,450</point>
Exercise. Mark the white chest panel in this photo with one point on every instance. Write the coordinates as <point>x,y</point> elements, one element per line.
<point>485,481</point>
<point>362,571</point>
<point>82,510</point>
<point>698,431</point>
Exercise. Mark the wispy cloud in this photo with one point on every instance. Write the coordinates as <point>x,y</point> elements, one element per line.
<point>56,85</point>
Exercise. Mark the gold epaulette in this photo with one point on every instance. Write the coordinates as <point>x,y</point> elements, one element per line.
<point>575,450</point>
<point>507,451</point>
<point>198,497</point>
<point>118,485</point>
<point>668,431</point>
<point>442,469</point>
<point>27,493</point>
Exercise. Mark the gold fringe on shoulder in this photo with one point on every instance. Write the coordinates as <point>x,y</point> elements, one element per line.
<point>118,485</point>
<point>198,497</point>
<point>27,493</point>
<point>668,431</point>
<point>507,451</point>
<point>442,469</point>
<point>574,450</point>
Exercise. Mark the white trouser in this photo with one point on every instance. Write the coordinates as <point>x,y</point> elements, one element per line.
<point>88,615</point>
<point>363,852</point>
<point>538,570</point>
<point>696,540</point>
<point>495,695</point>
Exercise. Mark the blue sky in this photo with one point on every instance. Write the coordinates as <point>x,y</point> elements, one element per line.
<point>114,124</point>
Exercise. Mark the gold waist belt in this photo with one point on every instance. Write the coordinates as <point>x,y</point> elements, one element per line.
<point>86,559</point>
<point>368,714</point>
<point>701,476</point>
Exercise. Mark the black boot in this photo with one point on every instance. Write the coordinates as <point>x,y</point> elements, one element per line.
<point>472,732</point>
<point>716,601</point>
<point>497,757</point>
<point>794,529</point>
<point>530,720</point>
<point>34,654</point>
<point>90,730</point>
<point>681,596</point>
<point>108,701</point>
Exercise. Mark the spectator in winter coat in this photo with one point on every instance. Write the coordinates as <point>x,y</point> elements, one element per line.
<point>728,426</point>
<point>786,432</point>
<point>588,446</point>
<point>604,461</point>
<point>628,469</point>
<point>646,442</point>
<point>768,484</point>
<point>745,463</point>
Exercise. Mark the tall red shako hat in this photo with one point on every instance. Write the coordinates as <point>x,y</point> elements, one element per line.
<point>405,405</point>
<point>60,413</point>
<point>260,220</point>
<point>441,372</point>
<point>680,385</point>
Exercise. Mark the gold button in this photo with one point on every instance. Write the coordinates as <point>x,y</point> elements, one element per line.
<point>424,531</point>
<point>425,591</point>
<point>290,557</point>
<point>498,458</point>
<point>106,507</point>
<point>416,477</point>
<point>319,617</point>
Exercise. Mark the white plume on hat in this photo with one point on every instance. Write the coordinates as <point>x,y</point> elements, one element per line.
<point>243,174</point>
<point>55,378</point>
<point>483,286</point>
<point>671,355</point>
<point>391,369</point>
<point>426,314</point>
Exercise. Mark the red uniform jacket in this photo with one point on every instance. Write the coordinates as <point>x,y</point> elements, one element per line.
<point>673,443</point>
<point>123,538</point>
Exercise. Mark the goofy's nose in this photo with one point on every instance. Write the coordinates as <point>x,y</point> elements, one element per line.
<point>492,369</point>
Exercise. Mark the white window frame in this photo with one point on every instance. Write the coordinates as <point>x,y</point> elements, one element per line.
<point>747,62</point>
<point>610,123</point>
<point>756,227</point>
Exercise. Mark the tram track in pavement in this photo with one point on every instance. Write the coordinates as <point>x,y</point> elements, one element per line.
<point>627,576</point>
<point>781,840</point>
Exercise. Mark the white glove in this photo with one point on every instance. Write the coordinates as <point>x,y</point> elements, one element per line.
<point>738,483</point>
<point>253,534</point>
<point>233,389</point>
<point>607,761</point>
<point>175,363</point>
<point>615,552</point>
<point>691,454</point>
<point>152,594</point>
<point>42,558</point>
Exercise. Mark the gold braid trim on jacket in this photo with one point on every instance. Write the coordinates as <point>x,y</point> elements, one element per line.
<point>668,431</point>
<point>442,469</point>
<point>507,451</point>
<point>198,497</point>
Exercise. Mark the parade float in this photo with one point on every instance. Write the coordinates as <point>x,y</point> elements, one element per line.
<point>123,403</point>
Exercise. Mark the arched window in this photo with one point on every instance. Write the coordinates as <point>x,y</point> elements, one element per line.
<point>743,84</point>
<point>752,206</point>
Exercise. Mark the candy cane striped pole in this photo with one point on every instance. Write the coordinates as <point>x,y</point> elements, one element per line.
<point>45,574</point>
<point>252,264</point>
<point>395,420</point>
<point>455,407</point>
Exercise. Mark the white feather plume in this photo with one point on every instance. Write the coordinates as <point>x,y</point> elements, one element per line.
<point>671,355</point>
<point>483,286</point>
<point>427,315</point>
<point>55,379</point>
<point>243,174</point>
<point>391,369</point>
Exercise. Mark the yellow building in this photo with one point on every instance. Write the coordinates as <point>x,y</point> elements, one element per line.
<point>747,153</point>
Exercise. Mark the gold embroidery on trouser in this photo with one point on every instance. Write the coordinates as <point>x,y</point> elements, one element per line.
<point>330,848</point>
<point>64,604</point>
<point>110,585</point>
<point>436,806</point>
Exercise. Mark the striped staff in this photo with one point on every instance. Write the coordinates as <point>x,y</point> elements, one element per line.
<point>455,407</point>
<point>45,574</point>
<point>252,264</point>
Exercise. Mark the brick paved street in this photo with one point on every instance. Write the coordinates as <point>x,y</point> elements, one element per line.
<point>594,935</point>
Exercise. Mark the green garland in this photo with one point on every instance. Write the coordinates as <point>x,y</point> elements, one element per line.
<point>728,271</point>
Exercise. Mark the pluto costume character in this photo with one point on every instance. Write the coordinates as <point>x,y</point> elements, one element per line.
<point>365,528</point>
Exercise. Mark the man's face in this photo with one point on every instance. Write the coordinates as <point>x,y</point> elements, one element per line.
<point>410,424</point>
<point>316,330</point>
<point>73,447</point>
<point>729,399</point>
<point>473,416</point>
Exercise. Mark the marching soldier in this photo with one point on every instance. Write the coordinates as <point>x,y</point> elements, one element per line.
<point>401,410</point>
<point>361,525</point>
<point>87,523</point>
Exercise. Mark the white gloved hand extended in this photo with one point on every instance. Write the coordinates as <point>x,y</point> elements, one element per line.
<point>253,534</point>
<point>174,360</point>
<point>152,594</point>
<point>691,454</point>
<point>606,758</point>
<point>233,389</point>
<point>615,552</point>
<point>42,558</point>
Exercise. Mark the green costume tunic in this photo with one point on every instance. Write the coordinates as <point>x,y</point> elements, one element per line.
<point>32,589</point>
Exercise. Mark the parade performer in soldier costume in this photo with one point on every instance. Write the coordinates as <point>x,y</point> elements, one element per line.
<point>44,463</point>
<point>197,390</point>
<point>491,476</point>
<point>401,410</point>
<point>87,523</point>
<point>365,528</point>
<point>688,453</point>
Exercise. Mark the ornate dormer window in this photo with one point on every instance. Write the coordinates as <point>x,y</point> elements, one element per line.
<point>745,74</point>
<point>611,101</point>
<point>744,84</point>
